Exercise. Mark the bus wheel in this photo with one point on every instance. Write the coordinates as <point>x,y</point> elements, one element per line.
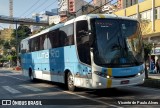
<point>70,82</point>
<point>31,77</point>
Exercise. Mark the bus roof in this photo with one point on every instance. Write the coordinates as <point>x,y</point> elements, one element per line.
<point>82,17</point>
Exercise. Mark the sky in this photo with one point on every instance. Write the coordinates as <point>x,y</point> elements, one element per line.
<point>25,8</point>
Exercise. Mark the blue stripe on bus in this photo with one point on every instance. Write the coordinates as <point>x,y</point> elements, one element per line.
<point>55,60</point>
<point>125,71</point>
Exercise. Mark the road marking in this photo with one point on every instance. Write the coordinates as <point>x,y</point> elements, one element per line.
<point>30,88</point>
<point>12,77</point>
<point>75,95</point>
<point>11,90</point>
<point>90,98</point>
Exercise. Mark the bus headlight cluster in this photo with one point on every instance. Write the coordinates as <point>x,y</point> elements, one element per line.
<point>141,72</point>
<point>100,74</point>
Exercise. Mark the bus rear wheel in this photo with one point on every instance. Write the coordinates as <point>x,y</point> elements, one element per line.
<point>70,82</point>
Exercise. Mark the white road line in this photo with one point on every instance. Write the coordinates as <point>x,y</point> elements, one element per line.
<point>78,95</point>
<point>11,90</point>
<point>90,98</point>
<point>12,77</point>
<point>30,88</point>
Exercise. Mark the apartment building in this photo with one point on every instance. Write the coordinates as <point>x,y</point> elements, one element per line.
<point>148,13</point>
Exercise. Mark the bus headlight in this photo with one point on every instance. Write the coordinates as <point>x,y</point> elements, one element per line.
<point>108,76</point>
<point>141,72</point>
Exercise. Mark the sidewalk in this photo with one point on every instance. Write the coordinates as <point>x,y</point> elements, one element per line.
<point>10,69</point>
<point>154,76</point>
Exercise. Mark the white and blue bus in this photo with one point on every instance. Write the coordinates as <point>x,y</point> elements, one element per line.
<point>93,51</point>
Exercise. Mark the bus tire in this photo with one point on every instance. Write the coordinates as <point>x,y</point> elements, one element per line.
<point>31,76</point>
<point>70,82</point>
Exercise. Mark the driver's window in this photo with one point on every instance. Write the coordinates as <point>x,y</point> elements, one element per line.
<point>83,41</point>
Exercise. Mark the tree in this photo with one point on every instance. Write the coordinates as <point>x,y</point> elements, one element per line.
<point>6,45</point>
<point>1,43</point>
<point>147,51</point>
<point>146,29</point>
<point>22,32</point>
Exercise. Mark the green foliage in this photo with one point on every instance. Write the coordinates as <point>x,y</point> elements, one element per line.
<point>22,32</point>
<point>145,26</point>
<point>6,45</point>
<point>9,57</point>
<point>147,49</point>
<point>43,28</point>
<point>2,42</point>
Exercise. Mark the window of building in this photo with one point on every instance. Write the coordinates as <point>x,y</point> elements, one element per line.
<point>133,16</point>
<point>146,15</point>
<point>157,13</point>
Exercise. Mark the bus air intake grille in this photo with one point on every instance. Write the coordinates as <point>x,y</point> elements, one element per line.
<point>124,76</point>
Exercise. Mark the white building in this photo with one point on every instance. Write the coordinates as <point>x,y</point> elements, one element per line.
<point>54,19</point>
<point>69,7</point>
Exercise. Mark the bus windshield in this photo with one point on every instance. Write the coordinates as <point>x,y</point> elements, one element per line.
<point>117,43</point>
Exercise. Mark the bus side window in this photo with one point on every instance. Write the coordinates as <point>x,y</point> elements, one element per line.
<point>42,39</point>
<point>54,38</point>
<point>66,35</point>
<point>82,42</point>
<point>35,44</point>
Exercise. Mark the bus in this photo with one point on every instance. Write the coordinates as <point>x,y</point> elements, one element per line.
<point>94,51</point>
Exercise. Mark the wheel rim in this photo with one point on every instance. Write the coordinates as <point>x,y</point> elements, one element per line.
<point>70,81</point>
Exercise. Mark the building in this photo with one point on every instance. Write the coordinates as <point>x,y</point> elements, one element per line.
<point>100,2</point>
<point>6,33</point>
<point>54,19</point>
<point>42,16</point>
<point>70,8</point>
<point>55,11</point>
<point>148,13</point>
<point>126,3</point>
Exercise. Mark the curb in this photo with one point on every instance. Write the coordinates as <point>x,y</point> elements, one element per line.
<point>152,83</point>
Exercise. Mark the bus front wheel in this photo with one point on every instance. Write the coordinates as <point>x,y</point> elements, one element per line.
<point>70,82</point>
<point>31,77</point>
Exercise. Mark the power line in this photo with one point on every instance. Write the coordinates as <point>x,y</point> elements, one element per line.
<point>99,7</point>
<point>49,5</point>
<point>85,5</point>
<point>30,8</point>
<point>92,10</point>
<point>37,7</point>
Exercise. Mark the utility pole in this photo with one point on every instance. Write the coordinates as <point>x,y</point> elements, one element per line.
<point>11,8</point>
<point>11,11</point>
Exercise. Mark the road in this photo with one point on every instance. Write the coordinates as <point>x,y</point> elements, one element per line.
<point>14,86</point>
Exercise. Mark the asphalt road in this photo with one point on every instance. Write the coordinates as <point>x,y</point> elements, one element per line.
<point>16,89</point>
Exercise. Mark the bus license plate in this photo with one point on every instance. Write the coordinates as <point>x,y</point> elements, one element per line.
<point>125,82</point>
